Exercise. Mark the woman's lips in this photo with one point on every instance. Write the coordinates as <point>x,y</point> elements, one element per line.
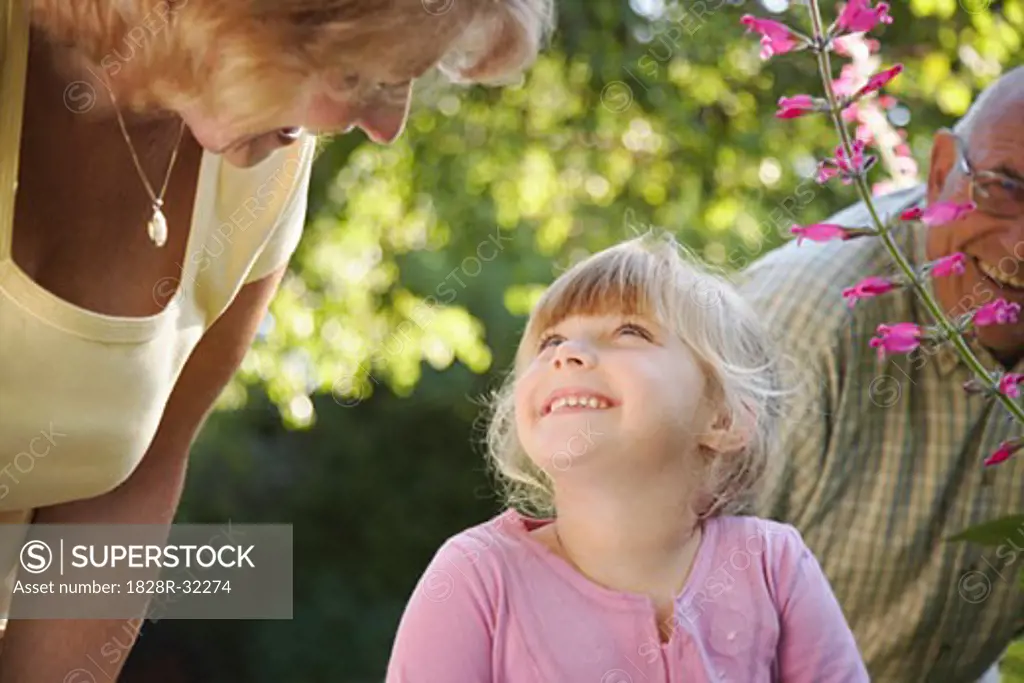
<point>290,135</point>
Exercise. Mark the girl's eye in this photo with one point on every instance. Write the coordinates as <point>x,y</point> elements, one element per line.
<point>547,340</point>
<point>634,329</point>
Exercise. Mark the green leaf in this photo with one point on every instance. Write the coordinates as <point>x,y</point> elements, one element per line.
<point>992,532</point>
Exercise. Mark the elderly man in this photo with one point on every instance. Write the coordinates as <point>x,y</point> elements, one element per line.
<point>884,457</point>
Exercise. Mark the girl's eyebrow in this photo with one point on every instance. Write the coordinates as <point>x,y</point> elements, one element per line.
<point>649,320</point>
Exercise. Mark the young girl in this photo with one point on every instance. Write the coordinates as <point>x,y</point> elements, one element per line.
<point>640,418</point>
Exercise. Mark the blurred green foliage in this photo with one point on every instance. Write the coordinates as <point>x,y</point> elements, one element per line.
<point>1012,667</point>
<point>356,414</point>
<point>671,118</point>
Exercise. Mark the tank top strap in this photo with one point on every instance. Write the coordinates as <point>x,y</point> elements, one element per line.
<point>14,37</point>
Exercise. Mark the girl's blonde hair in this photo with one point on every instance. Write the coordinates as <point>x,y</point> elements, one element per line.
<point>650,277</point>
<point>250,59</point>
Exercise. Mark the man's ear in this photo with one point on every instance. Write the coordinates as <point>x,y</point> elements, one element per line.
<point>942,163</point>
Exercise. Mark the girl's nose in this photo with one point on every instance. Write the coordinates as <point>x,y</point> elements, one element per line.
<point>571,353</point>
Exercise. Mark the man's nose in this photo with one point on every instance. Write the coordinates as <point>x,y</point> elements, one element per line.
<point>384,122</point>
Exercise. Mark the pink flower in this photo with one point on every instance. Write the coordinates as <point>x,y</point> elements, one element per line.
<point>945,212</point>
<point>846,84</point>
<point>998,312</point>
<point>883,187</point>
<point>1008,384</point>
<point>776,38</point>
<point>949,265</point>
<point>859,17</point>
<point>1005,450</point>
<point>820,232</point>
<point>939,213</point>
<point>879,80</point>
<point>792,107</point>
<point>848,167</point>
<point>904,166</point>
<point>855,160</point>
<point>898,338</point>
<point>868,287</point>
<point>826,173</point>
<point>843,50</point>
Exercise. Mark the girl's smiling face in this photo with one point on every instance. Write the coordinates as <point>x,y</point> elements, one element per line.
<point>609,388</point>
<point>638,367</point>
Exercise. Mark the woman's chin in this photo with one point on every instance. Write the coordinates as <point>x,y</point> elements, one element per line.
<point>244,156</point>
<point>234,149</point>
<point>213,135</point>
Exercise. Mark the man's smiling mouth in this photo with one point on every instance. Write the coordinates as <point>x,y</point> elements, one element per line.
<point>1000,277</point>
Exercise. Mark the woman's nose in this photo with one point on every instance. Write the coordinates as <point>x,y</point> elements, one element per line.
<point>571,353</point>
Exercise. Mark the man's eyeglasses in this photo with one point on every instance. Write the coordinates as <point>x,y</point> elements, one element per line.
<point>994,193</point>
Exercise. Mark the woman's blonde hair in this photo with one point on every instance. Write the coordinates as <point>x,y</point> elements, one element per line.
<point>245,58</point>
<point>653,276</point>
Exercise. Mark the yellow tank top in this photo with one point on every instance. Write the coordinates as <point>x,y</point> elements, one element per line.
<point>82,393</point>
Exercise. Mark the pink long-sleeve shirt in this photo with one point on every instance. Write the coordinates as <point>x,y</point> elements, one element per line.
<point>497,606</point>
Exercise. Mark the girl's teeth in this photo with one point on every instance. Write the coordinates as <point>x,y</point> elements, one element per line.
<point>591,402</point>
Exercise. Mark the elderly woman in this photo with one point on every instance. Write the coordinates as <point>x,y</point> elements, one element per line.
<point>161,158</point>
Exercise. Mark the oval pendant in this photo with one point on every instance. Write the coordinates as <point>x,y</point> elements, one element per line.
<point>157,228</point>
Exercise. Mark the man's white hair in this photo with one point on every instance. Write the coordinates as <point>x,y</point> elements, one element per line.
<point>965,126</point>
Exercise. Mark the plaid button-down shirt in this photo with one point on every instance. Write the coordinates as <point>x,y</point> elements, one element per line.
<point>884,463</point>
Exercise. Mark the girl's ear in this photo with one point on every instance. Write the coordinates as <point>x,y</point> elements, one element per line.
<point>726,433</point>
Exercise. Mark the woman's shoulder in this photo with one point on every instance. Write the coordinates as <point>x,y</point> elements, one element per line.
<point>264,188</point>
<point>249,221</point>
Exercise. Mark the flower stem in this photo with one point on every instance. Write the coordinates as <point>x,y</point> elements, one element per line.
<point>949,330</point>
